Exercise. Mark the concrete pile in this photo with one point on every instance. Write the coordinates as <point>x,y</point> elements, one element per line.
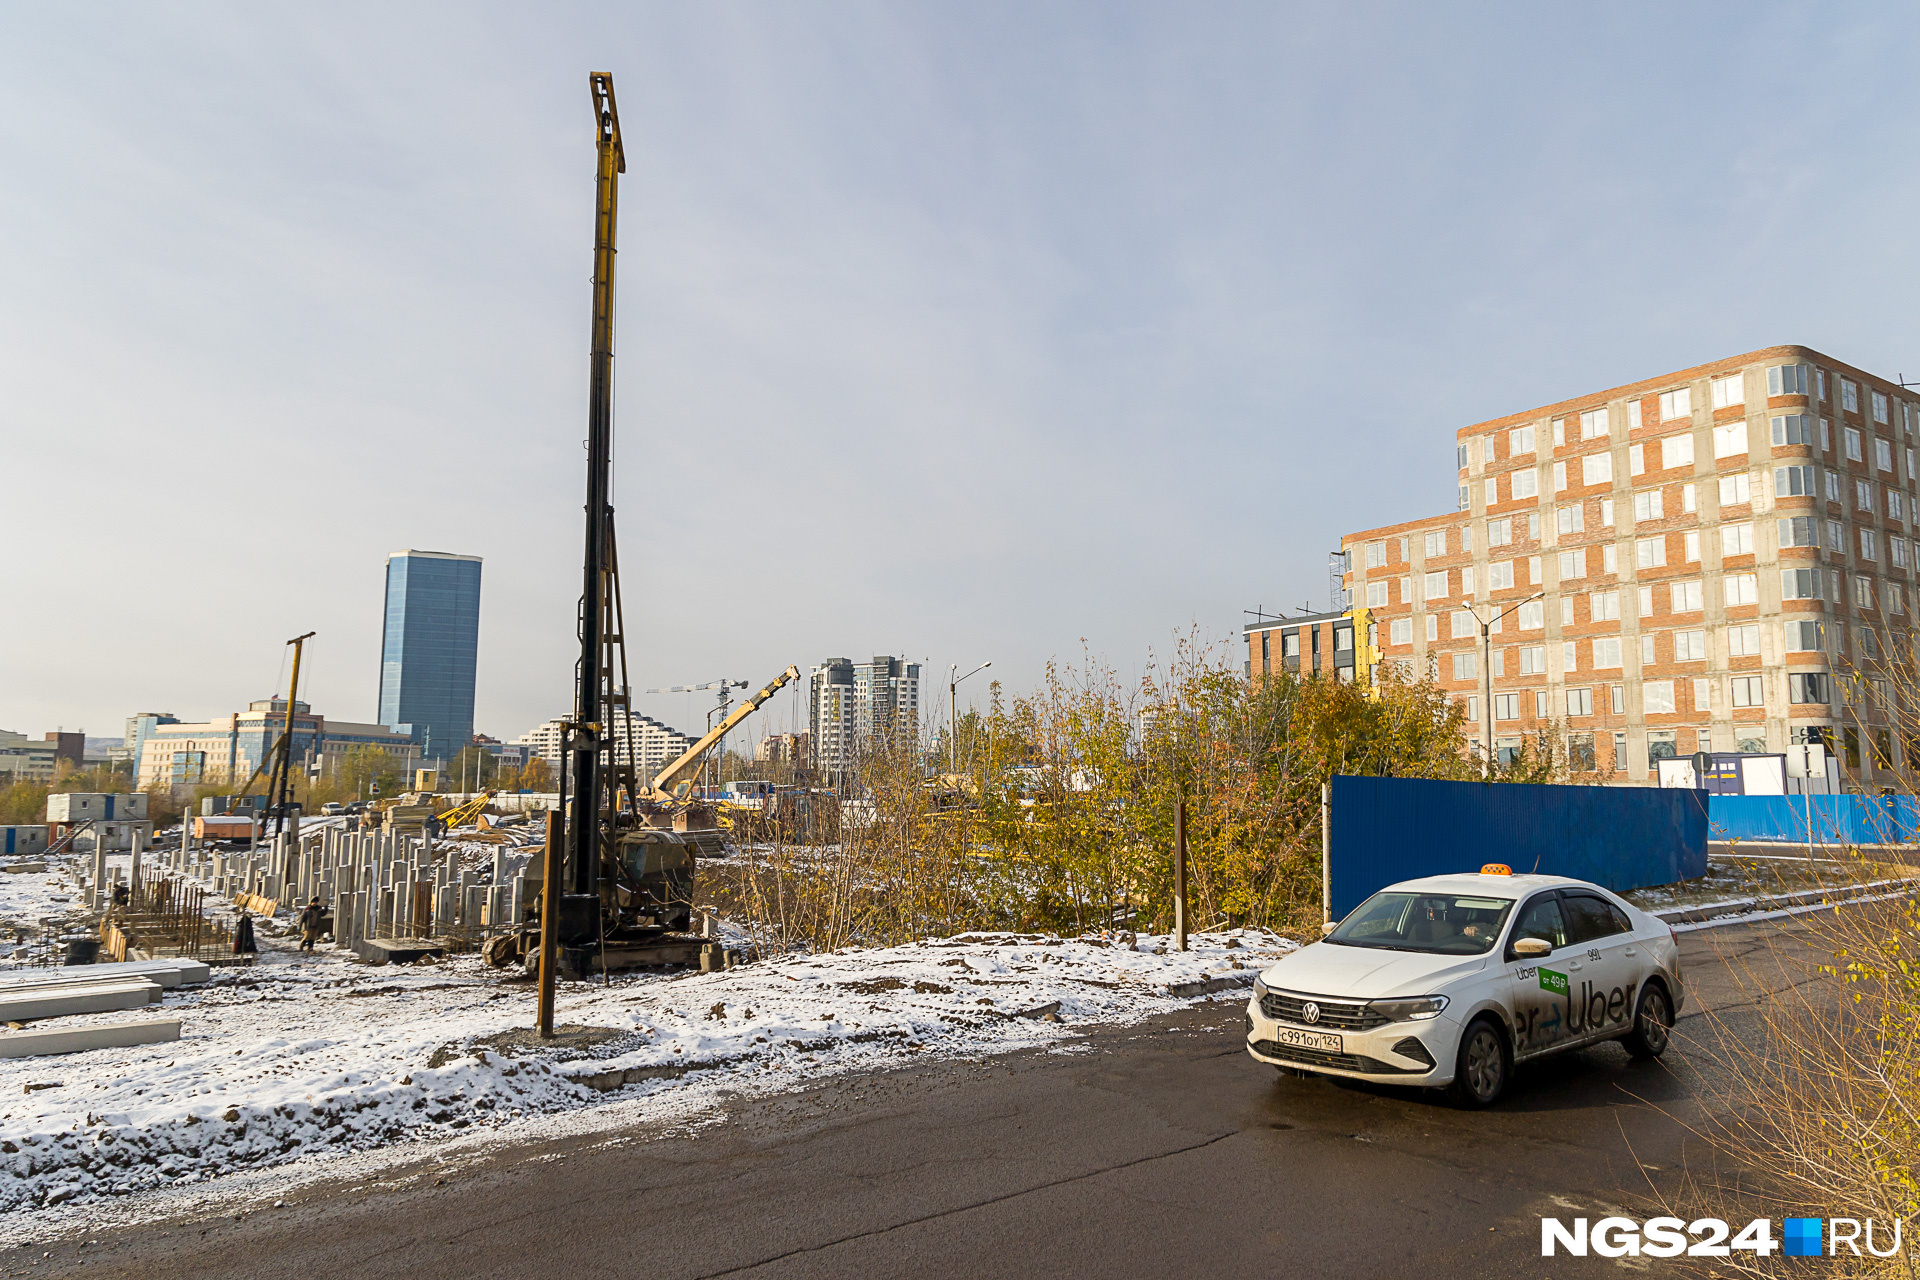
<point>378,884</point>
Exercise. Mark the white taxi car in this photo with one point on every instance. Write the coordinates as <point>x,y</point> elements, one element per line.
<point>1448,981</point>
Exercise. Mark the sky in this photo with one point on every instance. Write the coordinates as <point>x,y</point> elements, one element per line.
<point>1018,332</point>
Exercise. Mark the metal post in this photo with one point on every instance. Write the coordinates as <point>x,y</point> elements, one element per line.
<point>1486,703</point>
<point>1807,795</point>
<point>1486,664</point>
<point>549,923</point>
<point>953,711</point>
<point>1180,873</point>
<point>1326,852</point>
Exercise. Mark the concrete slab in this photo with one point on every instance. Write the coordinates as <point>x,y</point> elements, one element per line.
<point>167,971</point>
<point>24,868</point>
<point>104,998</point>
<point>156,993</point>
<point>112,1035</point>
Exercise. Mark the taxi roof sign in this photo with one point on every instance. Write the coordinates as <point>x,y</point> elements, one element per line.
<point>1496,869</point>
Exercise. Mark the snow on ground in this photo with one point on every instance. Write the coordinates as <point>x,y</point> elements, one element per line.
<point>317,1056</point>
<point>27,898</point>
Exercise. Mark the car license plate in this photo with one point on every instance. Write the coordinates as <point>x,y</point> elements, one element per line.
<point>1308,1039</point>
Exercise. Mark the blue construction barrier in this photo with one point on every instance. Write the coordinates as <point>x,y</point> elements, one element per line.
<point>1835,820</point>
<point>1384,830</point>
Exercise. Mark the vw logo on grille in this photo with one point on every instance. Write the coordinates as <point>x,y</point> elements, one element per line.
<point>1310,1011</point>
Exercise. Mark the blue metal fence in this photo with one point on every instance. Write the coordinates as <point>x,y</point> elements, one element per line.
<point>1833,819</point>
<point>1383,830</point>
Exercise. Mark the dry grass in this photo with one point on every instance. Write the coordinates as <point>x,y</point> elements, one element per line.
<point>1810,1091</point>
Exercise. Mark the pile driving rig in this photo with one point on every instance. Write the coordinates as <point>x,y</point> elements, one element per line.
<point>624,874</point>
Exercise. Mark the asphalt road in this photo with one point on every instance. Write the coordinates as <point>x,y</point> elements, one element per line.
<point>1158,1150</point>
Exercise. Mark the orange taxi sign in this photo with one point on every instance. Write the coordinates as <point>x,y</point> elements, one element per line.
<point>1496,869</point>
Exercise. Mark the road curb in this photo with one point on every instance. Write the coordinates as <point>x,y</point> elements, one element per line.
<point>1737,910</point>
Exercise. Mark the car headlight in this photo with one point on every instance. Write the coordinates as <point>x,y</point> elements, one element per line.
<point>1417,1009</point>
<point>1259,988</point>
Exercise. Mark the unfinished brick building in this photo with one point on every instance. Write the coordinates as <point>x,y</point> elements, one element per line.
<point>1709,548</point>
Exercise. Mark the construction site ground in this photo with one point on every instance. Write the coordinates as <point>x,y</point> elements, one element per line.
<point>1151,1148</point>
<point>307,1064</point>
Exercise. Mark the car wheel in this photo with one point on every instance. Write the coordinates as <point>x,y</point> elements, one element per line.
<point>1652,1023</point>
<point>1482,1066</point>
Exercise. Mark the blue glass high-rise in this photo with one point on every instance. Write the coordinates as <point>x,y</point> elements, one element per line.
<point>429,648</point>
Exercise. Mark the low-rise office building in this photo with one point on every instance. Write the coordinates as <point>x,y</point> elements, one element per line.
<point>1304,645</point>
<point>230,748</point>
<point>24,760</point>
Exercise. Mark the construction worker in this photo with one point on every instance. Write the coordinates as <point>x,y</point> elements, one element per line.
<point>310,924</point>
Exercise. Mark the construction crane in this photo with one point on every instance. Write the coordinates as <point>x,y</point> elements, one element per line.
<point>671,783</point>
<point>725,698</point>
<point>461,815</point>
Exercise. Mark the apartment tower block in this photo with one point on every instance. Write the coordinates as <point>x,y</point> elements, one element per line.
<point>849,704</point>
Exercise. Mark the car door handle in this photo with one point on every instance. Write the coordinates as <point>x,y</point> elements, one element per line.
<point>1630,952</point>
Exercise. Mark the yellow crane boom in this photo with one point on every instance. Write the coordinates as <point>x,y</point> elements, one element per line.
<point>674,776</point>
<point>465,813</point>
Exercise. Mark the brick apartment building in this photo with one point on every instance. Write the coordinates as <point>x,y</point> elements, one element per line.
<point>1306,644</point>
<point>1708,547</point>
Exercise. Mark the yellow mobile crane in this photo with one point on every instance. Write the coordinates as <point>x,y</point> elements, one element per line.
<point>674,782</point>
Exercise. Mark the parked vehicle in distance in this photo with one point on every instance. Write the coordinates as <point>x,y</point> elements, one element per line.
<point>332,808</point>
<point>1448,981</point>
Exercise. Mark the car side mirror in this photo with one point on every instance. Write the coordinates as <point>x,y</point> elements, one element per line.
<point>1533,947</point>
<point>1329,927</point>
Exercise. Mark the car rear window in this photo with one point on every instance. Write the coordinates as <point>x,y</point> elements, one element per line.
<point>1441,923</point>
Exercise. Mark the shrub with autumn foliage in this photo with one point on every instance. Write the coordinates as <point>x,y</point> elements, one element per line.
<point>1056,810</point>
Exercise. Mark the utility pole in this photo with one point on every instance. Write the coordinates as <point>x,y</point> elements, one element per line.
<point>953,722</point>
<point>1486,667</point>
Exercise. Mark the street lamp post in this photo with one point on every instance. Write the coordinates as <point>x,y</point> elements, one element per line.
<point>1486,669</point>
<point>953,722</point>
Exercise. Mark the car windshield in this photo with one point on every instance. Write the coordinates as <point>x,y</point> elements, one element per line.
<point>1441,923</point>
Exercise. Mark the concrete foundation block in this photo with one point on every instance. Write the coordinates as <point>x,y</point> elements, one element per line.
<point>106,997</point>
<point>112,1035</point>
<point>53,986</point>
<point>170,972</point>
